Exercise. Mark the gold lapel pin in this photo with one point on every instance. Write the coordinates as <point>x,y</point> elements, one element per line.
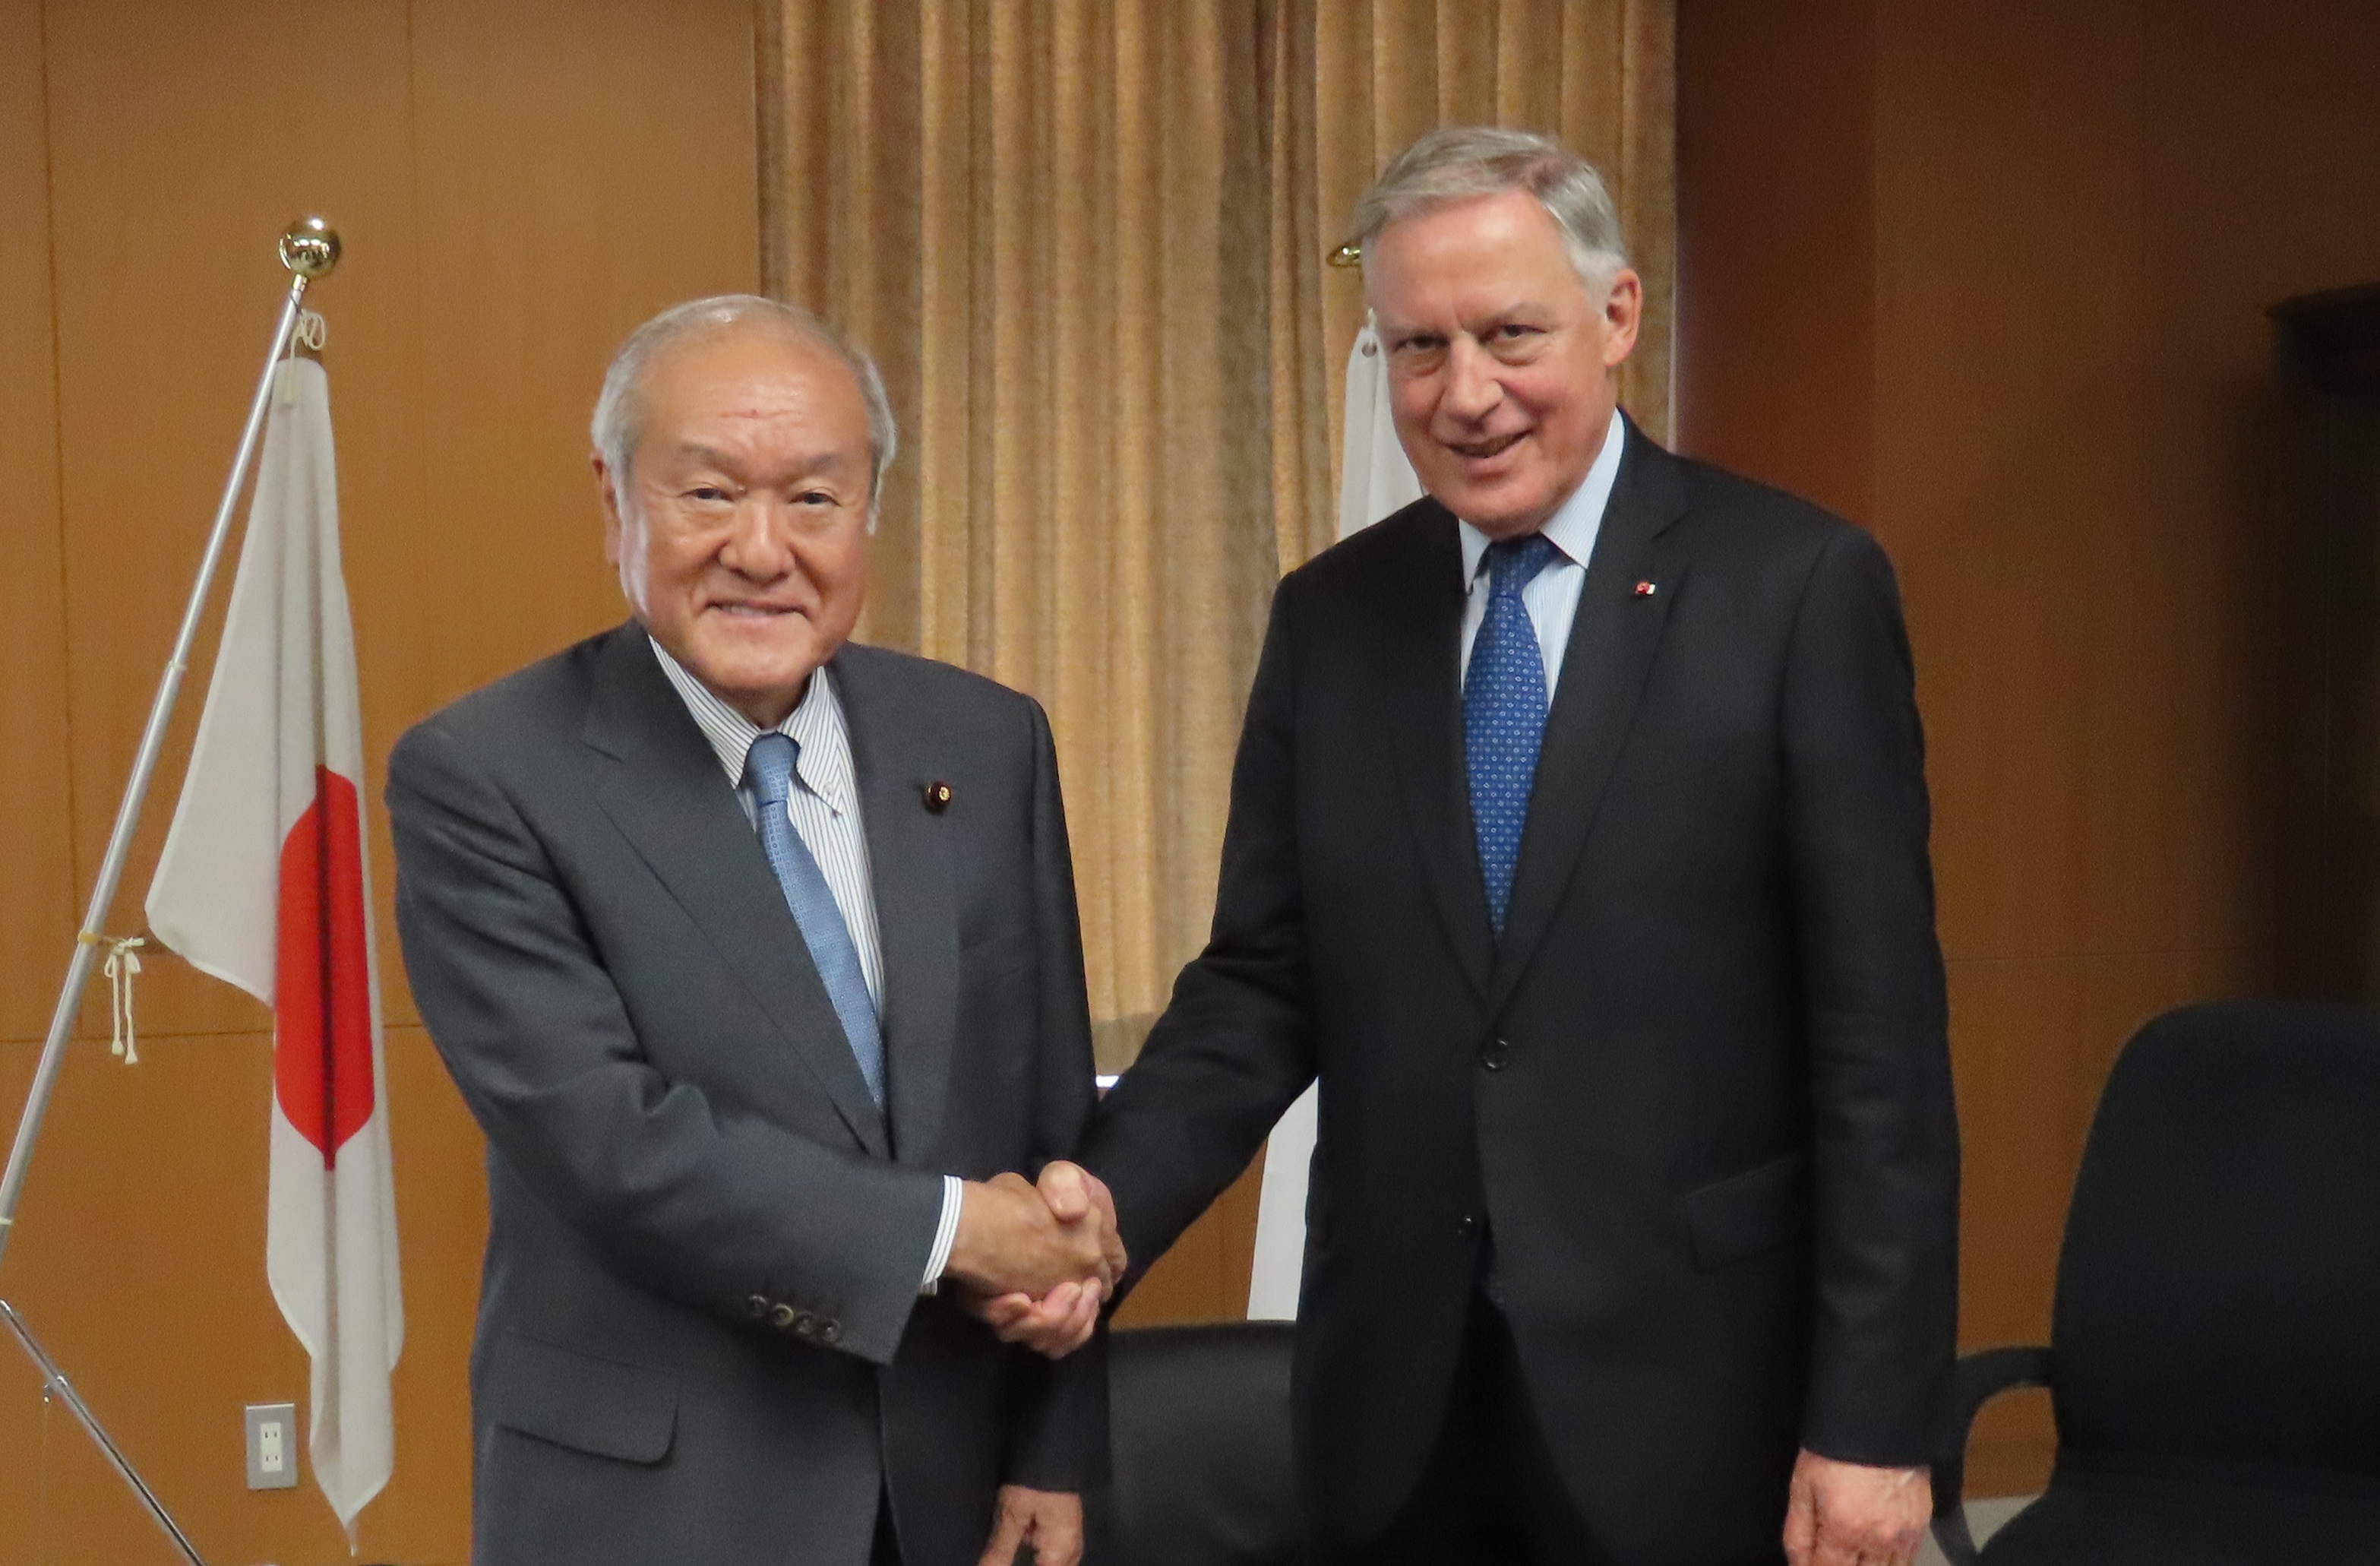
<point>938,797</point>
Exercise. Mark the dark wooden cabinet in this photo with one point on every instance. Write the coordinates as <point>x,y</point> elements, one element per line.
<point>2327,356</point>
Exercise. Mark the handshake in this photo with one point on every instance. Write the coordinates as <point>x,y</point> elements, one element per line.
<point>1037,1262</point>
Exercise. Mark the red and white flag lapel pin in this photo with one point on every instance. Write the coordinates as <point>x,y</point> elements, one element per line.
<point>1646,589</point>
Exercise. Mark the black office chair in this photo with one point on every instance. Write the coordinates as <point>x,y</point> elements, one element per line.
<point>2214,1351</point>
<point>1198,1422</point>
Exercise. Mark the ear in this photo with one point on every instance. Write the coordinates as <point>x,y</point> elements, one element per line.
<point>1624,313</point>
<point>607,491</point>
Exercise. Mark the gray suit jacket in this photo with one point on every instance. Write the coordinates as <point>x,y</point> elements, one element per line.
<point>699,1335</point>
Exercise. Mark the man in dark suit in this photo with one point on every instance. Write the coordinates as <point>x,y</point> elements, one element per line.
<point>754,954</point>
<point>1578,843</point>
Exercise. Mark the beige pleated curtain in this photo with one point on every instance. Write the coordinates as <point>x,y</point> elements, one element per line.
<point>1086,241</point>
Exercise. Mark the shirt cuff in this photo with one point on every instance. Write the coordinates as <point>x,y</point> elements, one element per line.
<point>944,1233</point>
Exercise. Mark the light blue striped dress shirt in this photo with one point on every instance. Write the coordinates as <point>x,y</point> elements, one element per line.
<point>825,812</point>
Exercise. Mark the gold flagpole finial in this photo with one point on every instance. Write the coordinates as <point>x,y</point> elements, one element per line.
<point>1349,254</point>
<point>310,248</point>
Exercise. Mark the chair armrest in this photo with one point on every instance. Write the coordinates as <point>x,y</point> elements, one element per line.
<point>1981,1376</point>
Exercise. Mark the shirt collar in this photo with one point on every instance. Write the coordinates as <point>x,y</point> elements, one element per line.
<point>814,726</point>
<point>1575,522</point>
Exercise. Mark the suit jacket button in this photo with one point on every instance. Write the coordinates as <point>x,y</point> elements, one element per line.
<point>829,1332</point>
<point>758,1305</point>
<point>781,1317</point>
<point>1495,1054</point>
<point>805,1324</point>
<point>1467,1226</point>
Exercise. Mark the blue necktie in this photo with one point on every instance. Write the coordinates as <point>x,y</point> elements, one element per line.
<point>769,769</point>
<point>1504,715</point>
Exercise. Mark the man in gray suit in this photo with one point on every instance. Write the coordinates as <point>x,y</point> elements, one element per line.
<point>754,954</point>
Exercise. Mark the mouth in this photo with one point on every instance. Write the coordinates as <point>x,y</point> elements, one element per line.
<point>758,614</point>
<point>1486,450</point>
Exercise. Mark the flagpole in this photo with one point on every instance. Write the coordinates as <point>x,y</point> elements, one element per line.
<point>309,249</point>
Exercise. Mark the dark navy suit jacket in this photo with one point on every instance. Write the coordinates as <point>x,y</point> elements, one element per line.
<point>1696,1101</point>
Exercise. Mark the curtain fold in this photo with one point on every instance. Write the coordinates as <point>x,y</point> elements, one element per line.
<point>1085,239</point>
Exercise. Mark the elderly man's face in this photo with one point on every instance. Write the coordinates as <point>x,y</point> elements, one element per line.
<point>1500,361</point>
<point>741,529</point>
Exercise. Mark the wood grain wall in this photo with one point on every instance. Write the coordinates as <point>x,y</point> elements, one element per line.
<point>1992,280</point>
<point>518,184</point>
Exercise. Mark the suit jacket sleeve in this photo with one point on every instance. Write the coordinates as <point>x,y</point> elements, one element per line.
<point>1884,1133</point>
<point>696,1204</point>
<point>1060,1440</point>
<point>1235,1049</point>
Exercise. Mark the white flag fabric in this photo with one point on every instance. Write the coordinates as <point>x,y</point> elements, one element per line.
<point>263,884</point>
<point>1279,1270</point>
<point>1374,481</point>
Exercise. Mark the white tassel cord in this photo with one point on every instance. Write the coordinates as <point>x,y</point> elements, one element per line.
<point>123,963</point>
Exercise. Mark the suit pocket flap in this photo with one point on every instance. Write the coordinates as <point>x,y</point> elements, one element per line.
<point>1746,1214</point>
<point>578,1401</point>
<point>992,954</point>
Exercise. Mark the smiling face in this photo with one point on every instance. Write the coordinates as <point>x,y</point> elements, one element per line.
<point>1501,362</point>
<point>740,531</point>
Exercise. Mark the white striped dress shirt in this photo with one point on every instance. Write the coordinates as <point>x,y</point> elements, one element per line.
<point>1551,597</point>
<point>825,813</point>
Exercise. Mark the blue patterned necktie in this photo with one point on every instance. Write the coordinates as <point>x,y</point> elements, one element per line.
<point>1504,715</point>
<point>769,771</point>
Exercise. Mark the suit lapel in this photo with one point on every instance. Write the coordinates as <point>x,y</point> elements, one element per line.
<point>1420,662</point>
<point>671,801</point>
<point>916,924</point>
<point>1612,646</point>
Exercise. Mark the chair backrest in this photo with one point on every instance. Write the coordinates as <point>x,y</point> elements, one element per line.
<point>1198,1426</point>
<point>2218,1296</point>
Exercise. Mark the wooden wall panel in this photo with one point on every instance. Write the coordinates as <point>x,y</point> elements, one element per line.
<point>518,184</point>
<point>2083,712</point>
<point>139,1260</point>
<point>1776,259</point>
<point>39,911</point>
<point>1205,1276</point>
<point>559,209</point>
<point>183,138</point>
<point>2078,214</point>
<point>141,1266</point>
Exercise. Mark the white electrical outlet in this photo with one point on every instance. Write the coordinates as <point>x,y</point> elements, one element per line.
<point>272,1446</point>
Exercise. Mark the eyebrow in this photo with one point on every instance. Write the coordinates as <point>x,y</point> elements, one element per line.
<point>1517,309</point>
<point>810,462</point>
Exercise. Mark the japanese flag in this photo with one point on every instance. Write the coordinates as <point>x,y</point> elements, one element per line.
<point>263,884</point>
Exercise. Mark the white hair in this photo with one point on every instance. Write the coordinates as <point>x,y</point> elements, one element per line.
<point>619,421</point>
<point>1464,160</point>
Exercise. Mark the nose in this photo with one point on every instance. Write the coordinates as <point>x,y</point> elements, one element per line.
<point>756,545</point>
<point>1472,388</point>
